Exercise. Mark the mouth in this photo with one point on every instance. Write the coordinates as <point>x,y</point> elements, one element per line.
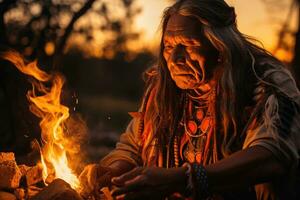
<point>198,76</point>
<point>186,71</point>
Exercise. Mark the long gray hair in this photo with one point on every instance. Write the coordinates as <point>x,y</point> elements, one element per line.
<point>236,81</point>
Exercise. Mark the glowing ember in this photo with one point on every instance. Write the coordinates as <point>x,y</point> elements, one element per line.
<point>45,103</point>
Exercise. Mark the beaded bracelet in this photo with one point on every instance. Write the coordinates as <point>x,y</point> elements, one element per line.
<point>201,182</point>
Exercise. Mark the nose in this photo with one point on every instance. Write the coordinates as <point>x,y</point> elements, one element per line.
<point>178,55</point>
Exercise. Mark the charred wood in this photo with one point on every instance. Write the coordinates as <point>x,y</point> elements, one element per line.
<point>34,175</point>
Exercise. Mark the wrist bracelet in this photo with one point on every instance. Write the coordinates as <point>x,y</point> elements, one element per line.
<point>201,181</point>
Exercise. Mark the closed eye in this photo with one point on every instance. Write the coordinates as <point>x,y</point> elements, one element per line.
<point>191,43</point>
<point>168,47</point>
<point>192,48</point>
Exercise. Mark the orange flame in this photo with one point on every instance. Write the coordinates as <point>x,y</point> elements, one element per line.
<point>45,103</point>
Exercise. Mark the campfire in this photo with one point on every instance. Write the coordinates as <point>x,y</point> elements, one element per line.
<point>54,177</point>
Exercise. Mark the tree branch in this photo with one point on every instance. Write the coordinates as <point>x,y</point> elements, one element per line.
<point>62,42</point>
<point>296,58</point>
<point>285,27</point>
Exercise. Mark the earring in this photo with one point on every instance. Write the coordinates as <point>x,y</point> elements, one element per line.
<point>219,59</point>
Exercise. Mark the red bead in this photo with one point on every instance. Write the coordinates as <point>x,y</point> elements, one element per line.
<point>190,157</point>
<point>199,114</point>
<point>198,157</point>
<point>192,126</point>
<point>205,125</point>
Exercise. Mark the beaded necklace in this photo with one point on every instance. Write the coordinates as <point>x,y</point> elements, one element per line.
<point>196,124</point>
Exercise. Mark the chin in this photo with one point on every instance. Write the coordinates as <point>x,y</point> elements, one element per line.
<point>189,86</point>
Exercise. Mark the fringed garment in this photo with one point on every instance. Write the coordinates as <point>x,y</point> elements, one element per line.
<point>273,122</point>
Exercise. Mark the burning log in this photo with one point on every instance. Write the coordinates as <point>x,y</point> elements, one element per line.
<point>57,190</point>
<point>34,175</point>
<point>23,169</point>
<point>10,173</point>
<point>20,193</point>
<point>32,191</point>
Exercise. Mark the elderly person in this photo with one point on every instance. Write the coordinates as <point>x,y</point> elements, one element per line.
<point>218,119</point>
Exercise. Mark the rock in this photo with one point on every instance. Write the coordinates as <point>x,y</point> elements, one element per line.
<point>10,174</point>
<point>32,191</point>
<point>7,196</point>
<point>23,169</point>
<point>6,157</point>
<point>57,190</point>
<point>20,193</point>
<point>34,175</point>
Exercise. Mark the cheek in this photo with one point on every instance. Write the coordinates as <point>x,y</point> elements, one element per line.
<point>195,54</point>
<point>199,58</point>
<point>166,56</point>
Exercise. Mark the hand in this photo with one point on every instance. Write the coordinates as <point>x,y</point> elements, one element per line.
<point>93,178</point>
<point>150,183</point>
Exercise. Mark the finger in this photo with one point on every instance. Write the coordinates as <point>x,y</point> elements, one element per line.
<point>120,197</point>
<point>103,182</point>
<point>131,185</point>
<point>127,176</point>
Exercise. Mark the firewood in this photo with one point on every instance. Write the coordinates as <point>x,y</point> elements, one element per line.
<point>32,191</point>
<point>10,175</point>
<point>23,169</point>
<point>57,190</point>
<point>20,193</point>
<point>7,196</point>
<point>107,193</point>
<point>50,178</point>
<point>34,175</point>
<point>7,157</point>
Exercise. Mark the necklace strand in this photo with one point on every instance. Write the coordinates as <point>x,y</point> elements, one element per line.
<point>187,131</point>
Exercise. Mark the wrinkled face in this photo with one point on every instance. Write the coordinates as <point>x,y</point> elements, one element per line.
<point>190,57</point>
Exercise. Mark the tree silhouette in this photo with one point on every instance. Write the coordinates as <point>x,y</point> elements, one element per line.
<point>286,33</point>
<point>296,59</point>
<point>43,29</point>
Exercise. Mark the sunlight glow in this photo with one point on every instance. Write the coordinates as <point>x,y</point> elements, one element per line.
<point>253,19</point>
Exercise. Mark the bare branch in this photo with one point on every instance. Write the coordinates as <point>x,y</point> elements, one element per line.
<point>69,28</point>
<point>285,27</point>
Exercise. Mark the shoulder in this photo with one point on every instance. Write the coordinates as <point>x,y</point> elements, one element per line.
<point>274,78</point>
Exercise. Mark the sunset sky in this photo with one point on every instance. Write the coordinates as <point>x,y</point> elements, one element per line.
<point>254,18</point>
